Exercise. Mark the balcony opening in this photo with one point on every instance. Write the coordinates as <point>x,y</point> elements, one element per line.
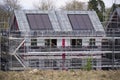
<point>33,43</point>
<point>53,42</point>
<point>92,43</point>
<point>76,42</point>
<point>50,42</point>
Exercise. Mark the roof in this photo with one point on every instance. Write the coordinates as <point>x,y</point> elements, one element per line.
<point>114,19</point>
<point>58,20</point>
<point>118,11</point>
<point>112,27</point>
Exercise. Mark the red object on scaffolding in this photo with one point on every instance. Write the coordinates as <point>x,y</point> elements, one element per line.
<point>63,43</point>
<point>63,55</point>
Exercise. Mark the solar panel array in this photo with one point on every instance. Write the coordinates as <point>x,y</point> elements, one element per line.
<point>39,22</point>
<point>80,22</point>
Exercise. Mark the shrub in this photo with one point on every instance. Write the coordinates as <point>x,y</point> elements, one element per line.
<point>88,65</point>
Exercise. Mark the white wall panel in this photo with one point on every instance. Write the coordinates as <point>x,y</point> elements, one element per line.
<point>28,42</point>
<point>85,42</point>
<point>40,42</point>
<point>67,42</point>
<point>98,41</point>
<point>59,42</point>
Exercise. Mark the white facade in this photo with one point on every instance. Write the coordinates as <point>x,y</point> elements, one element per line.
<point>61,47</point>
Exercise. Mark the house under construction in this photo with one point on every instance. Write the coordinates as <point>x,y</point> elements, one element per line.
<point>63,40</point>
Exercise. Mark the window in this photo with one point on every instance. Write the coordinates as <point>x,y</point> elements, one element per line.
<point>117,56</point>
<point>117,41</point>
<point>73,42</point>
<point>51,42</point>
<point>105,43</point>
<point>79,42</point>
<point>76,42</point>
<point>47,42</point>
<point>92,42</point>
<point>54,42</point>
<point>117,44</point>
<point>33,43</point>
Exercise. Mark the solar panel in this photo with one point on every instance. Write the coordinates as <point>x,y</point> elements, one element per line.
<point>31,21</point>
<point>47,23</point>
<point>74,22</point>
<point>87,21</point>
<point>80,21</point>
<point>39,21</point>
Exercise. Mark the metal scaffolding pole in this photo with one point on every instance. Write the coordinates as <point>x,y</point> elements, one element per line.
<point>113,47</point>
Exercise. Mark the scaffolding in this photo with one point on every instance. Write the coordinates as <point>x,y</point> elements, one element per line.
<point>50,56</point>
<point>40,49</point>
<point>3,39</point>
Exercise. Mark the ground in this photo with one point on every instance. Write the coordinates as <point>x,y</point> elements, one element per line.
<point>60,75</point>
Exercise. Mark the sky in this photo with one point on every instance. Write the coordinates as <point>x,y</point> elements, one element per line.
<point>28,4</point>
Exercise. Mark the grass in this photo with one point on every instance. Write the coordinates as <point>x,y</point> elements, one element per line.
<point>60,75</point>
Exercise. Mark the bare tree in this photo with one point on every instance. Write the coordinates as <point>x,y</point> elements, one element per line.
<point>74,5</point>
<point>12,4</point>
<point>3,17</point>
<point>45,5</point>
<point>6,9</point>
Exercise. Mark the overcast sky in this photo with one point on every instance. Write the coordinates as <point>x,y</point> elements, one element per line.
<point>28,4</point>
